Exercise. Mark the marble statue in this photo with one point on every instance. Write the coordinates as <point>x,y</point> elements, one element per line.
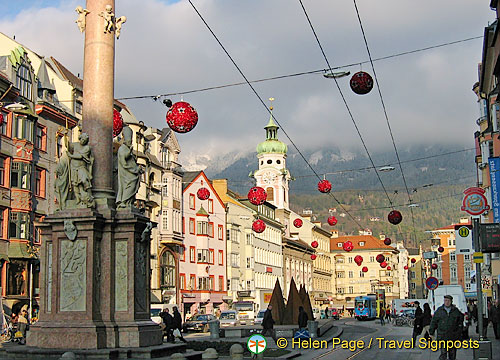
<point>62,182</point>
<point>118,25</point>
<point>129,173</point>
<point>109,18</point>
<point>81,164</point>
<point>146,233</point>
<point>81,21</point>
<point>70,230</point>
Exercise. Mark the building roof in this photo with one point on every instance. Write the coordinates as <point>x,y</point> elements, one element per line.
<point>371,243</point>
<point>452,226</point>
<point>43,77</point>
<point>68,75</point>
<point>188,178</point>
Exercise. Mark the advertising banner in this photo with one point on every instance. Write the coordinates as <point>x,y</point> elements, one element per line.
<point>494,164</point>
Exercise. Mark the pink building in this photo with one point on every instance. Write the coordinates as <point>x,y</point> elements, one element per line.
<point>202,266</point>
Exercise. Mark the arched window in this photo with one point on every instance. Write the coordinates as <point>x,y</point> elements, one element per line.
<point>23,80</point>
<point>270,194</point>
<point>167,270</point>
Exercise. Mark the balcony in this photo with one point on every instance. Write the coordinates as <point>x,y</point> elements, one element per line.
<point>173,166</point>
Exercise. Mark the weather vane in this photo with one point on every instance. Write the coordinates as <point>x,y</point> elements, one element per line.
<point>271,99</point>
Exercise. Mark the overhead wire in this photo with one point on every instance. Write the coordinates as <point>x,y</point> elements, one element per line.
<point>268,110</point>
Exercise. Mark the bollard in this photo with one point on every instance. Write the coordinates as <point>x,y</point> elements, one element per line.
<point>236,352</point>
<point>312,327</point>
<point>210,353</point>
<point>178,356</point>
<point>68,355</point>
<point>484,352</point>
<point>214,329</point>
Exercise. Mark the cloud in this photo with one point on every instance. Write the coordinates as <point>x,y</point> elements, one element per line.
<point>166,48</point>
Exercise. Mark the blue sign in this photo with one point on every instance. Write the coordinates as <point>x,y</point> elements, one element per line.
<point>432,283</point>
<point>494,164</point>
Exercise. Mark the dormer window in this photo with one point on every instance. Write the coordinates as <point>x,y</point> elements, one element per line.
<point>361,243</point>
<point>340,245</point>
<point>23,80</point>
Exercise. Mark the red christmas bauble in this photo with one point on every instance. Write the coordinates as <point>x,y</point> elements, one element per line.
<point>182,117</point>
<point>332,221</point>
<point>361,83</point>
<point>434,266</point>
<point>313,257</point>
<point>441,249</point>
<point>387,241</point>
<point>383,264</point>
<point>1,119</point>
<point>203,193</point>
<point>358,259</point>
<point>257,195</point>
<point>389,267</point>
<point>413,260</point>
<point>394,217</point>
<point>380,258</point>
<point>324,186</point>
<point>364,269</point>
<point>314,244</point>
<point>297,223</point>
<point>406,267</point>
<point>117,122</point>
<point>348,246</point>
<point>258,226</point>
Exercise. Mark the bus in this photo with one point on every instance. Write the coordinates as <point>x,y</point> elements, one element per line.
<point>365,307</point>
<point>246,312</point>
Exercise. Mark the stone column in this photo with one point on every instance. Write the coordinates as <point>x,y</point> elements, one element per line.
<point>98,97</point>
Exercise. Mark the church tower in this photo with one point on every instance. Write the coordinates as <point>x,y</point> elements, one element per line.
<point>272,174</point>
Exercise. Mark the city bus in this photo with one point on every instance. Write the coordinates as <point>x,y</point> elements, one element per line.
<point>365,307</point>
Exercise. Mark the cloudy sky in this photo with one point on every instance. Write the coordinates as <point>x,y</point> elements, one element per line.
<point>165,48</point>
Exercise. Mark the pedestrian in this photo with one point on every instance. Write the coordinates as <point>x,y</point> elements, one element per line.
<point>382,315</point>
<point>388,315</point>
<point>267,321</point>
<point>493,316</point>
<point>302,318</point>
<point>448,322</point>
<point>326,312</point>
<point>177,325</point>
<point>474,313</point>
<point>168,321</point>
<point>22,325</point>
<point>426,321</point>
<point>497,304</point>
<point>418,323</point>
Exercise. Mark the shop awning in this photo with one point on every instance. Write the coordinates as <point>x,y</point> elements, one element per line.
<point>18,250</point>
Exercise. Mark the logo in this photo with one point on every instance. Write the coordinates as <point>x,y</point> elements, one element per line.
<point>256,344</point>
<point>463,231</point>
<point>474,202</point>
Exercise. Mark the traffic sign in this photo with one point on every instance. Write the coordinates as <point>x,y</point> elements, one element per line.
<point>463,238</point>
<point>474,202</point>
<point>432,283</point>
<point>478,257</point>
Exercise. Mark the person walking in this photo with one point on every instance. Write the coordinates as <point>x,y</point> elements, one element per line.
<point>426,321</point>
<point>493,317</point>
<point>168,321</point>
<point>267,321</point>
<point>418,323</point>
<point>303,318</point>
<point>326,312</point>
<point>382,315</point>
<point>388,315</point>
<point>177,325</point>
<point>448,321</point>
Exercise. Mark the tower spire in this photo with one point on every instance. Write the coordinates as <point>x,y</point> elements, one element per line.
<point>271,127</point>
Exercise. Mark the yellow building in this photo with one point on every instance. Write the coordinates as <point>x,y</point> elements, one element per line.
<point>416,274</point>
<point>349,279</point>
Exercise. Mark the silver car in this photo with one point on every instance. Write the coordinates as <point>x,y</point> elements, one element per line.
<point>229,318</point>
<point>259,317</point>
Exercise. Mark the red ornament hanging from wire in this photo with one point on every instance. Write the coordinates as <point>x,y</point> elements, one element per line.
<point>364,269</point>
<point>358,259</point>
<point>324,186</point>
<point>434,266</point>
<point>313,257</point>
<point>182,117</point>
<point>441,249</point>
<point>297,223</point>
<point>361,83</point>
<point>117,122</point>
<point>203,193</point>
<point>406,267</point>
<point>387,241</point>
<point>348,246</point>
<point>389,267</point>
<point>315,244</point>
<point>380,258</point>
<point>394,217</point>
<point>332,221</point>
<point>257,195</point>
<point>413,260</point>
<point>383,264</point>
<point>258,226</point>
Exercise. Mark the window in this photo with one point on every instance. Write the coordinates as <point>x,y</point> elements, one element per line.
<point>182,281</point>
<point>20,175</point>
<point>210,206</point>
<point>23,80</point>
<point>191,226</point>
<point>361,274</point>
<point>210,231</point>
<point>221,283</point>
<point>2,171</point>
<point>164,191</point>
<point>3,127</point>
<point>388,289</point>
<point>19,225</point>
<point>467,257</point>
<point>22,128</point>
<point>340,291</point>
<point>412,274</point>
<point>1,222</point>
<point>340,275</point>
<point>351,275</point>
<point>202,228</point>
<point>203,256</point>
<point>164,220</point>
<point>351,290</point>
<point>453,273</point>
<point>350,260</point>
<point>221,232</point>
<point>467,286</point>
<point>192,252</point>
<point>167,270</point>
<point>249,263</point>
<point>221,257</point>
<point>361,243</point>
<point>40,175</point>
<point>182,254</point>
<point>339,259</point>
<point>41,138</point>
<point>78,107</point>
<point>340,245</point>
<point>206,283</point>
<point>270,194</point>
<point>59,145</point>
<point>373,288</point>
<point>235,260</point>
<point>191,201</point>
<point>412,286</point>
<point>372,258</point>
<point>453,257</point>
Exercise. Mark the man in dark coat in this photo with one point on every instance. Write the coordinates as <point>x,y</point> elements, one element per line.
<point>177,323</point>
<point>418,324</point>
<point>493,316</point>
<point>168,320</point>
<point>302,318</point>
<point>448,321</point>
<point>267,321</point>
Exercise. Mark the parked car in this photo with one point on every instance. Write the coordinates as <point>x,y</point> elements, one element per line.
<point>259,317</point>
<point>198,322</point>
<point>229,318</point>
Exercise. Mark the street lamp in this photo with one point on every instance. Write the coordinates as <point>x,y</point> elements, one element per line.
<point>336,75</point>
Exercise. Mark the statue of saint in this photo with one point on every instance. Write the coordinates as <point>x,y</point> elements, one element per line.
<point>129,173</point>
<point>81,164</point>
<point>62,182</point>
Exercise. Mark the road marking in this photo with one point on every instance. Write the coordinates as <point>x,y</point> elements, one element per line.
<point>359,352</point>
<point>338,348</point>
